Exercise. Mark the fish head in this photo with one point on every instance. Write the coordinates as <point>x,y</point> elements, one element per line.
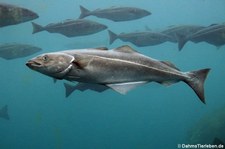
<point>103,27</point>
<point>28,15</point>
<point>223,35</point>
<point>28,50</point>
<point>35,49</point>
<point>98,27</point>
<point>55,65</point>
<point>139,12</point>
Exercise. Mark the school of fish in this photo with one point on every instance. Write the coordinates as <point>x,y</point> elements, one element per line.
<point>121,69</point>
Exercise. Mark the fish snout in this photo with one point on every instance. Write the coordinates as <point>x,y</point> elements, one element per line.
<point>32,64</point>
<point>148,13</point>
<point>105,27</point>
<point>29,15</point>
<point>33,15</point>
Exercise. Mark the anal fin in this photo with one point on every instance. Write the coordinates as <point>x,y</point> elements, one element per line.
<point>123,88</point>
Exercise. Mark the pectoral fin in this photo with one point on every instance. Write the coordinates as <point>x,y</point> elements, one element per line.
<point>123,88</point>
<point>82,61</point>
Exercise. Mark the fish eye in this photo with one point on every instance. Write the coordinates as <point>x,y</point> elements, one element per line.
<point>45,58</point>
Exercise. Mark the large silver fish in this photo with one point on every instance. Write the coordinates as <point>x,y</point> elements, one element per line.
<point>11,15</point>
<point>115,13</point>
<point>120,69</point>
<point>71,28</point>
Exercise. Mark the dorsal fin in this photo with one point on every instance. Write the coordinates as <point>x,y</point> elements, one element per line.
<point>101,48</point>
<point>125,49</point>
<point>170,64</point>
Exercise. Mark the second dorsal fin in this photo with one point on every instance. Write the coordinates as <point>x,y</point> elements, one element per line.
<point>170,64</point>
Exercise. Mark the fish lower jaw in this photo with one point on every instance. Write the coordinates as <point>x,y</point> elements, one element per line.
<point>33,64</point>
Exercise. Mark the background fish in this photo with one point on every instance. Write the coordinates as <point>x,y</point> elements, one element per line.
<point>116,13</point>
<point>15,50</point>
<point>83,87</point>
<point>213,34</point>
<point>140,39</point>
<point>71,28</point>
<point>181,31</point>
<point>209,128</point>
<point>11,15</point>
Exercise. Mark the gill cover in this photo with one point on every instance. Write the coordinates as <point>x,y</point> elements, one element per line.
<point>61,65</point>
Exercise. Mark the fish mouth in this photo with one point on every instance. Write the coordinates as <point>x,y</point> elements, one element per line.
<point>32,64</point>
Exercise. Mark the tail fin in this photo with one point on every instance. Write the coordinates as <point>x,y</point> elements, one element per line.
<point>36,28</point>
<point>182,40</point>
<point>84,12</point>
<point>69,89</point>
<point>4,112</point>
<point>112,36</point>
<point>196,82</point>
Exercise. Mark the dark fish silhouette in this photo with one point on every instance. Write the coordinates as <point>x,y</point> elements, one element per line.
<point>209,129</point>
<point>14,50</point>
<point>140,39</point>
<point>217,141</point>
<point>116,13</point>
<point>181,31</point>
<point>4,112</point>
<point>121,69</point>
<point>83,87</point>
<point>11,15</point>
<point>213,34</point>
<point>71,28</point>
